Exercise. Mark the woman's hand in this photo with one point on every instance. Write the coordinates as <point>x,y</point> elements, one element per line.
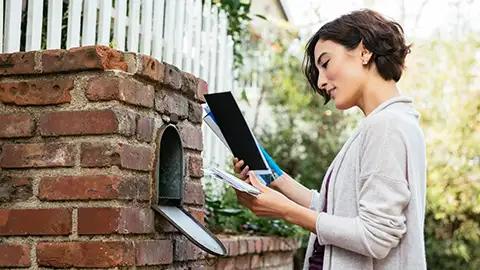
<point>237,167</point>
<point>269,203</point>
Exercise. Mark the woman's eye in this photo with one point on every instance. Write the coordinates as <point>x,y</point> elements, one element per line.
<point>325,64</point>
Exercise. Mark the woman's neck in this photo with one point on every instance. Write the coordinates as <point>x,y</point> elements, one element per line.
<point>375,93</point>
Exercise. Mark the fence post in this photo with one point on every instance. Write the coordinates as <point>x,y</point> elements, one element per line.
<point>159,7</point>
<point>146,33</point>
<point>104,19</point>
<point>89,22</point>
<point>197,43</point>
<point>74,20</point>
<point>13,18</point>
<point>133,25</point>
<point>120,21</point>
<point>34,25</point>
<point>179,33</point>
<point>169,31</point>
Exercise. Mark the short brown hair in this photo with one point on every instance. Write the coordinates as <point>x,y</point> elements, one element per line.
<point>383,37</point>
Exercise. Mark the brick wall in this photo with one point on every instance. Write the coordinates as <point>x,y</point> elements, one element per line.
<point>250,252</point>
<point>78,139</point>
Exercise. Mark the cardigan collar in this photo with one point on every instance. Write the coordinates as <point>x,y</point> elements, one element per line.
<point>389,102</point>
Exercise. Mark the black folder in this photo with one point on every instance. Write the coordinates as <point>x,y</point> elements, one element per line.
<point>235,130</point>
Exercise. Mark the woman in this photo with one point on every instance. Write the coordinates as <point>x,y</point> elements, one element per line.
<point>370,210</point>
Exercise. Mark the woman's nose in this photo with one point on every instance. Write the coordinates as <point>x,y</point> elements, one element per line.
<point>322,80</point>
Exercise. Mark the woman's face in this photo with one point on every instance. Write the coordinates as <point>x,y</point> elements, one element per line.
<point>341,73</point>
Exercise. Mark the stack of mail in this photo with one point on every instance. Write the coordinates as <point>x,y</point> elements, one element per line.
<point>231,128</point>
<point>232,181</point>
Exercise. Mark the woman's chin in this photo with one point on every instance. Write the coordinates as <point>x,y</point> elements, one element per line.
<point>341,105</point>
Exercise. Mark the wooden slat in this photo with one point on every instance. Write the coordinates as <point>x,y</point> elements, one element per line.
<point>74,22</point>
<point>213,51</point>
<point>104,21</point>
<point>169,41</point>
<point>230,71</point>
<point>120,22</point>
<point>179,33</point>
<point>205,48</point>
<point>146,40</point>
<point>197,43</point>
<point>34,25</point>
<point>13,18</point>
<point>1,26</point>
<point>133,25</point>
<point>89,22</point>
<point>222,44</point>
<point>187,44</point>
<point>158,11</point>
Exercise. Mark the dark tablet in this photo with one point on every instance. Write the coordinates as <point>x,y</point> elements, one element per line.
<point>235,129</point>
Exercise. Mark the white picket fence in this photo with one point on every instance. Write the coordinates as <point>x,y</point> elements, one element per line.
<point>185,33</point>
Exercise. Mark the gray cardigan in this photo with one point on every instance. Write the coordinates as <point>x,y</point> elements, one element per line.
<point>376,196</point>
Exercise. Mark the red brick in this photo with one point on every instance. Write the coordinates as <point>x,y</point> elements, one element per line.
<point>82,58</point>
<point>243,246</point>
<point>16,125</point>
<point>154,252</point>
<point>115,220</point>
<point>17,63</point>
<point>226,264</point>
<point>14,255</point>
<point>37,92</point>
<point>194,165</point>
<point>94,187</point>
<point>14,189</point>
<point>187,251</point>
<point>57,221</point>
<point>85,254</point>
<point>199,215</point>
<point>251,245</point>
<point>37,155</point>
<point>258,245</point>
<point>173,77</point>
<point>268,244</point>
<point>202,89</point>
<point>195,112</point>
<point>256,261</point>
<point>87,122</point>
<point>127,90</point>
<point>193,193</point>
<point>232,246</point>
<point>172,104</point>
<point>191,135</point>
<point>152,69</point>
<point>163,225</point>
<point>123,155</point>
<point>242,262</point>
<point>189,85</point>
<point>78,123</point>
<point>145,129</point>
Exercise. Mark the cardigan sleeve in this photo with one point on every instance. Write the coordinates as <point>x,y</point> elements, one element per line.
<point>315,201</point>
<point>383,195</point>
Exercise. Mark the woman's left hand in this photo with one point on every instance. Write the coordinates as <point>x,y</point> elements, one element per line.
<point>269,203</point>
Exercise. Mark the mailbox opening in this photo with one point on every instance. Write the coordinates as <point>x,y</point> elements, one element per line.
<point>169,175</point>
<point>170,168</point>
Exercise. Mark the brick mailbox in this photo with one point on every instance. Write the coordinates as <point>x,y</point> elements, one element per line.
<point>82,174</point>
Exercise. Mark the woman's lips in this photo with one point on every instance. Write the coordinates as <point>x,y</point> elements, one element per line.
<point>332,93</point>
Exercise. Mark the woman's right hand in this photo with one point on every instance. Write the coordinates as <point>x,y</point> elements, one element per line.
<point>237,167</point>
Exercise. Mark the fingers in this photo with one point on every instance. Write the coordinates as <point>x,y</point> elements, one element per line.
<point>238,166</point>
<point>255,182</point>
<point>244,173</point>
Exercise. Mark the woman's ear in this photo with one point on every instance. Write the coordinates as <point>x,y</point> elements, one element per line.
<point>365,54</point>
